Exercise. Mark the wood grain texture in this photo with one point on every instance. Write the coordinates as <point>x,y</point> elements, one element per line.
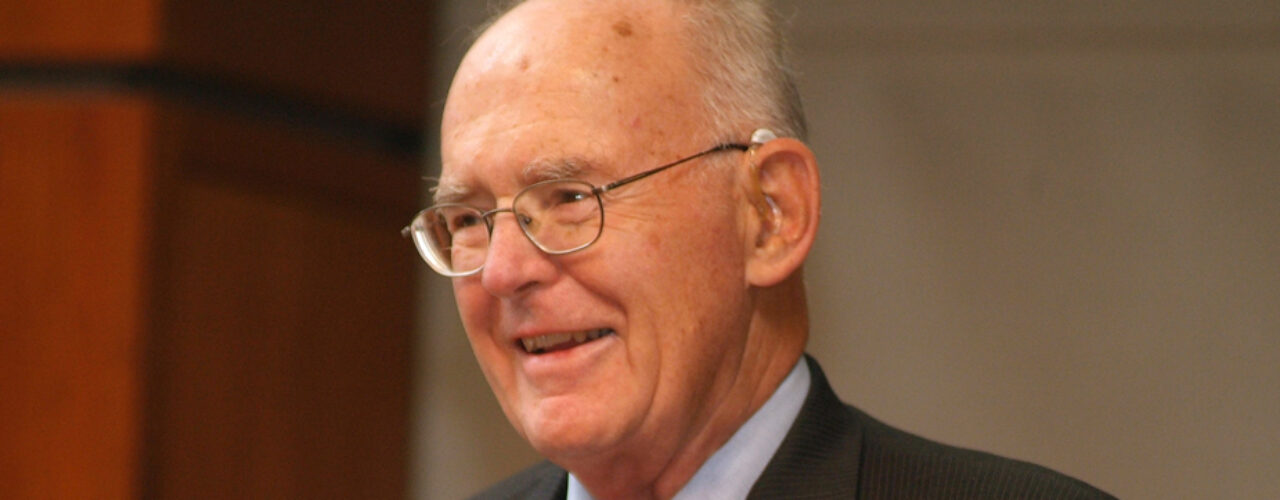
<point>203,288</point>
<point>363,57</point>
<point>92,30</point>
<point>283,366</point>
<point>73,245</point>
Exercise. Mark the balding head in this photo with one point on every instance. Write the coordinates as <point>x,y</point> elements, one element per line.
<point>734,49</point>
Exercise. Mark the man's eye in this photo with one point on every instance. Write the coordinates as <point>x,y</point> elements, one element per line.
<point>566,196</point>
<point>463,221</point>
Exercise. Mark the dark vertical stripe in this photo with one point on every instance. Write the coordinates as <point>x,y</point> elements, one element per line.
<point>212,91</point>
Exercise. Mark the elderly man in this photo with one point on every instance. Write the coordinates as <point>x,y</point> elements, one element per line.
<point>624,209</point>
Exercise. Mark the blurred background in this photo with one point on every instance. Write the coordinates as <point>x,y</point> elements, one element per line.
<point>1051,231</point>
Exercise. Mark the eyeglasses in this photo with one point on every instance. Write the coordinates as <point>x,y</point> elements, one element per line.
<point>559,216</point>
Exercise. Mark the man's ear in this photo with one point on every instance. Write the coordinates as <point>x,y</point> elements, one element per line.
<point>784,191</point>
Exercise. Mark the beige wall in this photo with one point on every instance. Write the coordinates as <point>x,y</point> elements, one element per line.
<point>1051,230</point>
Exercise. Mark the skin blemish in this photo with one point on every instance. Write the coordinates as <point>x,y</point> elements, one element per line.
<point>622,28</point>
<point>523,64</point>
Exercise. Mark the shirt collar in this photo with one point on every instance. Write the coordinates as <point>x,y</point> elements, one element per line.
<point>736,466</point>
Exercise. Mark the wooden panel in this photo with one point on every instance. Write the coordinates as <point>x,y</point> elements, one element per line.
<point>74,194</point>
<point>78,30</point>
<point>367,57</point>
<point>286,312</point>
<point>268,152</point>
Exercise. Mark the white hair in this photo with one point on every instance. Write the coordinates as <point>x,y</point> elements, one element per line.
<point>741,55</point>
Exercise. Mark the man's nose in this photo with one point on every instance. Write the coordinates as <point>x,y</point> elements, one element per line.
<point>513,264</point>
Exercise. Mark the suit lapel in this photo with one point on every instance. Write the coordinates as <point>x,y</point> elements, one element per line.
<point>552,486</point>
<point>820,455</point>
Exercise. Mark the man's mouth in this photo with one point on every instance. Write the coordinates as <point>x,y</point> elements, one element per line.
<point>560,341</point>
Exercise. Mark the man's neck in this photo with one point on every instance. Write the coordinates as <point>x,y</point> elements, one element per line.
<point>734,468</point>
<point>736,460</point>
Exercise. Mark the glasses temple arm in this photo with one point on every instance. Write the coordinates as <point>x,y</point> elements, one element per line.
<point>627,180</point>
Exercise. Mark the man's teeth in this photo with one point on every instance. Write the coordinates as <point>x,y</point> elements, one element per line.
<point>557,341</point>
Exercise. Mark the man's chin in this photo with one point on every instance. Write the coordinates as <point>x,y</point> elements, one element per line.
<point>566,442</point>
<point>569,440</point>
<point>584,422</point>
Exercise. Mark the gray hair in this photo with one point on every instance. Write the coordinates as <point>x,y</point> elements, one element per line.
<point>744,64</point>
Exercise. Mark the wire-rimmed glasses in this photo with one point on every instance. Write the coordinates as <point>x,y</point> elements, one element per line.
<point>559,216</point>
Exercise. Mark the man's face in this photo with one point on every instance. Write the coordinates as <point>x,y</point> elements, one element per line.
<point>600,95</point>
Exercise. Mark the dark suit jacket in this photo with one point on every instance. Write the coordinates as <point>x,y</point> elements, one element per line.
<point>835,451</point>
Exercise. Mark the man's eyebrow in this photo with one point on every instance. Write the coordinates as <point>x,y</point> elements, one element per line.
<point>446,191</point>
<point>558,168</point>
<point>452,191</point>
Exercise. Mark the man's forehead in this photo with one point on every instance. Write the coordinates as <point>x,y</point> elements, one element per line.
<point>547,89</point>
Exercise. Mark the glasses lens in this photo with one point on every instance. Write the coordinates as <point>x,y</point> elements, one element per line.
<point>560,216</point>
<point>452,238</point>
